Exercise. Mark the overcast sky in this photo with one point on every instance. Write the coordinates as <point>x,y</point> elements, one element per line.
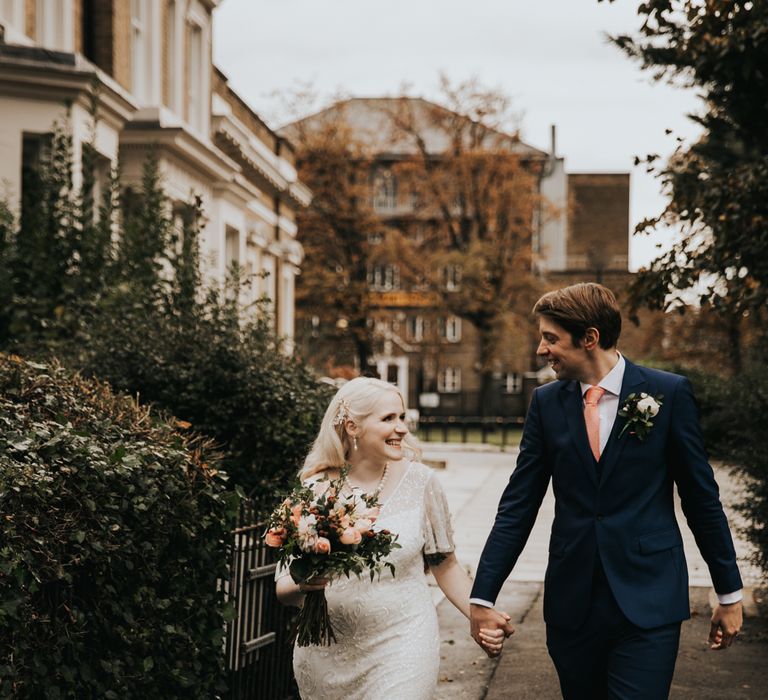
<point>550,56</point>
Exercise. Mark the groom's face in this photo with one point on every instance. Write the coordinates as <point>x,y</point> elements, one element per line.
<point>568,361</point>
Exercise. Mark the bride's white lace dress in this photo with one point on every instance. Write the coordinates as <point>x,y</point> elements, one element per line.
<point>386,630</point>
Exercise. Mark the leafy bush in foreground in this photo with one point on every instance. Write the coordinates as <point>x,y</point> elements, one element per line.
<point>112,532</point>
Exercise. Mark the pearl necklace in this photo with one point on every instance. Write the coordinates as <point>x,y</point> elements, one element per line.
<point>383,479</point>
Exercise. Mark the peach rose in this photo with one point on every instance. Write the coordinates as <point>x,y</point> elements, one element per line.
<point>275,537</point>
<point>323,546</point>
<point>350,536</point>
<point>296,514</point>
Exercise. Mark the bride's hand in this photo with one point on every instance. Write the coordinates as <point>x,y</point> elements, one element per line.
<point>492,641</point>
<point>313,584</point>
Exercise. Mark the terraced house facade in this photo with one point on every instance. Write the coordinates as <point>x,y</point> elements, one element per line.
<point>146,65</point>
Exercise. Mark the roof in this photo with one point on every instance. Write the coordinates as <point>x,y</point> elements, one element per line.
<point>371,122</point>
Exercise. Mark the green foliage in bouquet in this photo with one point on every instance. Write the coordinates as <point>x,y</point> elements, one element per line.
<point>111,545</point>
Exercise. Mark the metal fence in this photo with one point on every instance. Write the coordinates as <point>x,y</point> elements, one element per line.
<point>497,429</point>
<point>257,647</point>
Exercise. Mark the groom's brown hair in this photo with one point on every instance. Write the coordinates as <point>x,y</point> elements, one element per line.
<point>582,306</point>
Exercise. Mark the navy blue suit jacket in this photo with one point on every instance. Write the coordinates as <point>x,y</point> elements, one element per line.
<point>626,518</point>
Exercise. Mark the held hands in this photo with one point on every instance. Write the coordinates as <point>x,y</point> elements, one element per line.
<point>726,624</point>
<point>489,628</point>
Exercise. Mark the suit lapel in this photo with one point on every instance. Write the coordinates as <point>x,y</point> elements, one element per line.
<point>573,407</point>
<point>633,382</point>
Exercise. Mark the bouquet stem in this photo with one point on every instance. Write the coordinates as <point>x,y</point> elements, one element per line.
<point>313,625</point>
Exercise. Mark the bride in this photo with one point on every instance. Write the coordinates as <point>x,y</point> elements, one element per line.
<point>386,630</point>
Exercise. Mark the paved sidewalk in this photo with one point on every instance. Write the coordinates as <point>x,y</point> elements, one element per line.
<point>473,478</point>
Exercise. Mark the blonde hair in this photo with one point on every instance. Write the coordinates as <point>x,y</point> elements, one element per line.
<point>356,400</point>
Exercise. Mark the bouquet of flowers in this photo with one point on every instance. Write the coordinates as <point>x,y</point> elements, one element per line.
<point>326,530</point>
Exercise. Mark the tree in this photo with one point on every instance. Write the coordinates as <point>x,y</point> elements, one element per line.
<point>476,189</point>
<point>718,185</point>
<point>336,231</point>
<point>132,309</point>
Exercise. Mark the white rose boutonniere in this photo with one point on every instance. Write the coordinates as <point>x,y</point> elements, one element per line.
<point>639,410</point>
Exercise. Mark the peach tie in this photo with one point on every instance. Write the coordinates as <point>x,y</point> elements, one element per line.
<point>592,418</point>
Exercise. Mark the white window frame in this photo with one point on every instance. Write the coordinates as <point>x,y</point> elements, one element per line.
<point>145,51</point>
<point>450,328</point>
<point>54,24</point>
<point>449,380</point>
<point>384,190</point>
<point>175,41</point>
<point>513,383</point>
<point>384,278</point>
<point>12,14</point>
<point>415,328</point>
<point>231,246</point>
<point>451,277</point>
<point>198,103</point>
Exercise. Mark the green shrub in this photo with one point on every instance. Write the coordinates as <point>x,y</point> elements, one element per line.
<point>112,541</point>
<point>131,309</point>
<point>732,413</point>
<point>230,381</point>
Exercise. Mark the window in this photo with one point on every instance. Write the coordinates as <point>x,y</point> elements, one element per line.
<point>195,87</point>
<point>139,50</point>
<point>450,328</point>
<point>384,190</point>
<point>54,24</point>
<point>415,328</point>
<point>375,238</point>
<point>12,12</point>
<point>174,47</point>
<point>513,383</point>
<point>450,277</point>
<point>384,278</point>
<point>449,380</point>
<point>35,152</point>
<point>232,247</point>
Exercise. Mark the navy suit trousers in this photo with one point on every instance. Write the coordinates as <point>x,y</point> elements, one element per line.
<point>608,657</point>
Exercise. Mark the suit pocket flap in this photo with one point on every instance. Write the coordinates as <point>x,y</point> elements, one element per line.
<point>659,541</point>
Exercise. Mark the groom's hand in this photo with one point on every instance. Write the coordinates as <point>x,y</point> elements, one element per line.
<point>726,624</point>
<point>481,617</point>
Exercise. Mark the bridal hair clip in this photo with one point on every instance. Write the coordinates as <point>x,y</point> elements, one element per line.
<point>343,414</point>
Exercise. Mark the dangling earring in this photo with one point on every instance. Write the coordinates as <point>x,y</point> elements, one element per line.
<point>354,442</point>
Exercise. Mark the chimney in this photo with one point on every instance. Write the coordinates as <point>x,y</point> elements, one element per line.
<point>553,142</point>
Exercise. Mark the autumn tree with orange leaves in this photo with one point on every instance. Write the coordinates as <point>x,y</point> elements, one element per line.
<point>476,202</point>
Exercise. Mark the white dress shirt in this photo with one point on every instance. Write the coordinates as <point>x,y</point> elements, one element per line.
<point>608,409</point>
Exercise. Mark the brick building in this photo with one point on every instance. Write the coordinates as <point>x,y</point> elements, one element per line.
<point>146,64</point>
<point>581,233</point>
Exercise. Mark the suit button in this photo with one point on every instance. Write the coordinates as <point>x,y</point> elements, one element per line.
<point>599,516</point>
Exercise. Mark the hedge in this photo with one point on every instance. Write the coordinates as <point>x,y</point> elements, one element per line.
<point>112,543</point>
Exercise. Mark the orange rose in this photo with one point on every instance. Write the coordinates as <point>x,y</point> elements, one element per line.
<point>322,546</point>
<point>275,537</point>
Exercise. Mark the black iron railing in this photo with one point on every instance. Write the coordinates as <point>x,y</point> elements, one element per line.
<point>498,430</point>
<point>257,647</point>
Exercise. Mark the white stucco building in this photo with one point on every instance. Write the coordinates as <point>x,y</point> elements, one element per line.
<point>146,65</point>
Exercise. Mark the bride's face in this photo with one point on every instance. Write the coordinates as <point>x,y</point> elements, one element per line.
<point>381,434</point>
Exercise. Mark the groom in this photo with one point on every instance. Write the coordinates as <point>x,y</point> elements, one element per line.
<point>614,438</point>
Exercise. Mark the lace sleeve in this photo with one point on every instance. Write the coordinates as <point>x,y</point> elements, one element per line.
<point>438,530</point>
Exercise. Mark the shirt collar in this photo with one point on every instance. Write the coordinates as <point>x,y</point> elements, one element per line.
<point>611,382</point>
